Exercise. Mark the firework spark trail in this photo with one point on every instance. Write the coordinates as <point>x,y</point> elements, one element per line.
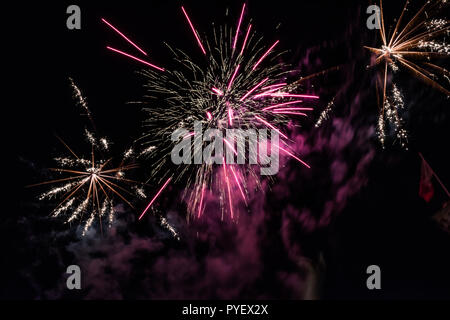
<point>81,101</point>
<point>230,201</point>
<point>271,127</point>
<point>324,115</point>
<point>154,198</point>
<point>234,76</point>
<point>194,31</point>
<point>224,91</point>
<point>295,157</point>
<point>253,89</point>
<point>281,105</point>
<point>88,223</point>
<point>63,208</point>
<point>265,55</point>
<point>200,207</point>
<point>291,109</point>
<point>267,93</point>
<point>275,86</point>
<point>217,91</point>
<point>135,58</point>
<point>78,210</point>
<point>245,39</point>
<point>238,184</point>
<point>289,112</point>
<point>418,39</point>
<point>124,36</point>
<point>238,27</point>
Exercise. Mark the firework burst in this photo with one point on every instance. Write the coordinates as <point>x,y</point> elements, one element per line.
<point>413,47</point>
<point>89,185</point>
<point>240,82</point>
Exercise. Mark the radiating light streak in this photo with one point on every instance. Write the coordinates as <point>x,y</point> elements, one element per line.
<point>217,91</point>
<point>293,109</point>
<point>281,105</point>
<point>230,116</point>
<point>275,86</point>
<point>271,126</point>
<point>265,54</point>
<point>238,27</point>
<point>123,36</point>
<point>190,134</point>
<point>238,184</point>
<point>193,30</point>
<point>290,95</point>
<point>266,93</point>
<point>295,157</point>
<point>208,115</point>
<point>290,112</point>
<point>200,207</point>
<point>229,145</point>
<point>253,89</point>
<point>155,197</point>
<point>135,58</point>
<point>228,188</point>
<point>245,39</point>
<point>234,76</point>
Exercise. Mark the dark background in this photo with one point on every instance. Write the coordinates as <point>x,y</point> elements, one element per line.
<point>386,223</point>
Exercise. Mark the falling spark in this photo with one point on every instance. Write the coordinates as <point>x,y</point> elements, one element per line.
<point>228,189</point>
<point>238,184</point>
<point>169,227</point>
<point>289,95</point>
<point>282,105</point>
<point>324,115</point>
<point>295,157</point>
<point>289,112</point>
<point>229,145</point>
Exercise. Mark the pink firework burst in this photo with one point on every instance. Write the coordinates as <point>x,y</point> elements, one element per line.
<point>237,83</point>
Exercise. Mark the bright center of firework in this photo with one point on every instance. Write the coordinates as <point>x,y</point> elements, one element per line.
<point>386,50</point>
